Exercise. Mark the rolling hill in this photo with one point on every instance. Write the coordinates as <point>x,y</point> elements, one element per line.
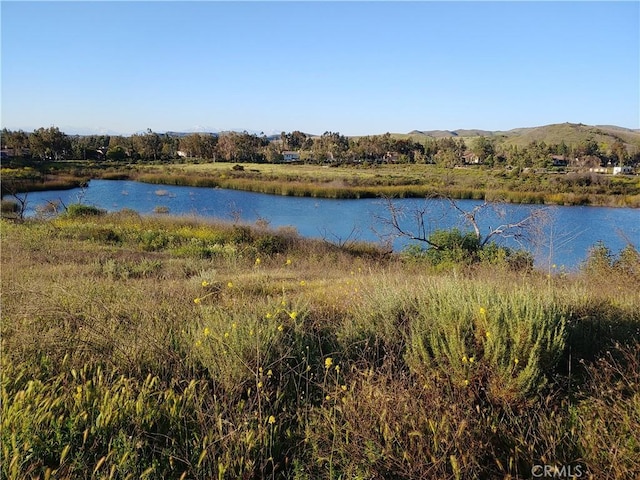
<point>570,133</point>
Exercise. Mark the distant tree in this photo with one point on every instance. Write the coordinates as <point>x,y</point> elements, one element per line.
<point>587,148</point>
<point>147,145</point>
<point>49,143</point>
<point>619,151</point>
<point>446,158</point>
<point>272,153</point>
<point>199,145</point>
<point>330,146</point>
<point>126,143</point>
<point>89,146</point>
<point>483,147</point>
<point>241,147</point>
<point>169,146</point>
<point>17,141</point>
<point>227,148</point>
<point>116,153</point>
<point>293,141</point>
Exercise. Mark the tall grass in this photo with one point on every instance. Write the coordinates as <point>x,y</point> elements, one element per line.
<point>138,347</point>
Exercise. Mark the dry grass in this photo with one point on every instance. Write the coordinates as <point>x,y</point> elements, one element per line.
<point>170,348</point>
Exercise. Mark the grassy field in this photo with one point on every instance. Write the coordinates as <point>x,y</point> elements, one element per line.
<point>403,181</point>
<point>138,347</point>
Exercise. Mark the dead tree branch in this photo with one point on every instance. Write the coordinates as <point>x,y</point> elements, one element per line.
<point>525,229</point>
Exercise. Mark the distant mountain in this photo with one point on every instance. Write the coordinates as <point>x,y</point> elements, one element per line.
<point>570,133</point>
<point>452,133</point>
<point>184,134</point>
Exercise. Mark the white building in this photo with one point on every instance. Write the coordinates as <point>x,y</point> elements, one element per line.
<point>289,156</point>
<point>624,170</point>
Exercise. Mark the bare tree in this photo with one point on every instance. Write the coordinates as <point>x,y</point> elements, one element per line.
<point>21,202</point>
<point>527,229</point>
<point>351,238</point>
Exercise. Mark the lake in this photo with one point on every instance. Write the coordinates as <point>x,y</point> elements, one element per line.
<point>565,240</point>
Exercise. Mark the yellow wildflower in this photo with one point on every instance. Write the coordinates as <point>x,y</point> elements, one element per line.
<point>198,343</point>
<point>226,334</point>
<point>471,359</point>
<point>269,315</point>
<point>328,362</point>
<point>269,373</point>
<point>302,283</point>
<point>488,335</point>
<point>258,261</point>
<point>206,331</point>
<point>259,384</point>
<point>205,283</point>
<point>197,300</point>
<point>272,420</point>
<point>280,328</point>
<point>344,388</point>
<point>328,397</point>
<point>515,360</point>
<point>338,368</point>
<point>288,262</point>
<point>230,284</point>
<point>483,312</point>
<point>293,315</point>
<point>464,359</point>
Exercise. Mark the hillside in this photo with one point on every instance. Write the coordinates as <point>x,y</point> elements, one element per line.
<point>570,133</point>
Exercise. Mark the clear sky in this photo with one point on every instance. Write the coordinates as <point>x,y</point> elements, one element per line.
<point>356,68</point>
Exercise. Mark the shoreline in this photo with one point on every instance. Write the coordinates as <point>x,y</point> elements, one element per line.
<point>336,183</point>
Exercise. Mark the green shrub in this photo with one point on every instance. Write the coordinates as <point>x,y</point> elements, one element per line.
<point>269,243</point>
<point>602,261</point>
<point>449,248</point>
<point>9,206</point>
<point>599,259</point>
<point>79,210</point>
<point>628,261</point>
<point>472,337</point>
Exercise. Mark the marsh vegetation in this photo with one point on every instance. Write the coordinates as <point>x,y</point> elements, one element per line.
<point>139,347</point>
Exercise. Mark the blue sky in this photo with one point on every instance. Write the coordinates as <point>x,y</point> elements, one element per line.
<point>353,67</point>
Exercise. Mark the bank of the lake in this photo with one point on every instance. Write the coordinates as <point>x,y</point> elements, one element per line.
<point>406,181</point>
<point>564,241</point>
<point>353,182</point>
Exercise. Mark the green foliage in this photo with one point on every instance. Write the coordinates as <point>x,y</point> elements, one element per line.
<point>453,248</point>
<point>504,344</point>
<point>601,261</point>
<point>80,210</point>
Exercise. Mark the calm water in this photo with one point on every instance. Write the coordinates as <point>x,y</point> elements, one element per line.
<point>565,241</point>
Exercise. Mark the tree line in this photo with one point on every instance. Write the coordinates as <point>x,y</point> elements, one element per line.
<point>46,144</point>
